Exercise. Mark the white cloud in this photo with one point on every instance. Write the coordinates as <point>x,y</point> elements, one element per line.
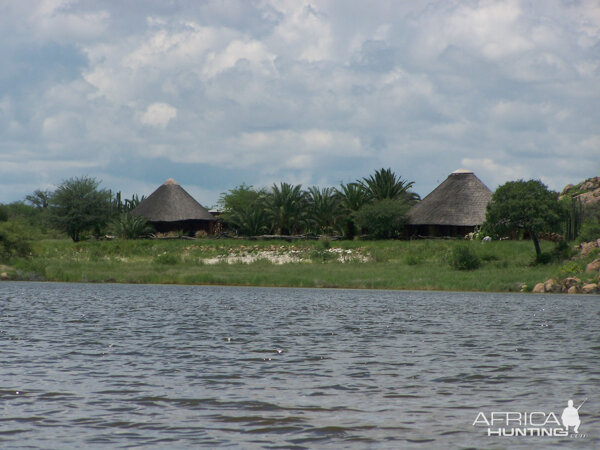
<point>158,115</point>
<point>310,92</point>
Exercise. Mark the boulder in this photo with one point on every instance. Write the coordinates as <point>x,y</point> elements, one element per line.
<point>573,290</point>
<point>570,282</point>
<point>551,286</point>
<point>538,288</point>
<point>594,266</point>
<point>590,288</point>
<point>3,276</point>
<point>587,247</point>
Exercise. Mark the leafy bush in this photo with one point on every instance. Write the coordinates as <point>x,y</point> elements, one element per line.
<point>464,258</point>
<point>131,227</point>
<point>383,219</point>
<point>569,269</point>
<point>14,240</point>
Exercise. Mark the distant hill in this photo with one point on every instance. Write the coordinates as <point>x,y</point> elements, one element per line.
<point>588,191</point>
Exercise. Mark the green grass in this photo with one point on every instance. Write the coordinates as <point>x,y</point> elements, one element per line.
<point>423,264</point>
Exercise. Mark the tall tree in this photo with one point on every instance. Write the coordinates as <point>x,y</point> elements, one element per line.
<point>324,209</point>
<point>384,184</point>
<point>352,197</point>
<point>524,205</point>
<point>244,209</point>
<point>78,205</point>
<point>287,208</point>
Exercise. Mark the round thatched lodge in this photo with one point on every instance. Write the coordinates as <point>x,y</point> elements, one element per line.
<point>171,208</point>
<point>453,209</point>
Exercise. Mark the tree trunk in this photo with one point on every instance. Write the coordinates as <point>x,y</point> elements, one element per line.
<point>536,242</point>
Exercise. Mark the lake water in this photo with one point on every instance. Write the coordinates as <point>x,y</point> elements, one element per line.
<point>85,365</point>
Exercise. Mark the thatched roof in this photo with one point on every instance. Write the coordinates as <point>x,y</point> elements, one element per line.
<point>460,201</point>
<point>171,203</point>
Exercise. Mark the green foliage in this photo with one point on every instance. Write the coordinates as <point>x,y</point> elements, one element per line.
<point>383,218</point>
<point>569,269</point>
<point>384,184</point>
<point>351,198</point>
<point>78,206</point>
<point>244,209</point>
<point>464,257</point>
<point>3,213</point>
<point>14,240</point>
<point>323,210</point>
<point>131,227</point>
<point>524,205</point>
<point>590,231</point>
<point>287,208</point>
<point>39,198</point>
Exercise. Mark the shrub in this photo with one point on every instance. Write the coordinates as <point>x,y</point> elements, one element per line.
<point>14,240</point>
<point>464,258</point>
<point>131,227</point>
<point>569,269</point>
<point>383,219</point>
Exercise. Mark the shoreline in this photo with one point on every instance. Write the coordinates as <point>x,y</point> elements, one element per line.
<point>385,265</point>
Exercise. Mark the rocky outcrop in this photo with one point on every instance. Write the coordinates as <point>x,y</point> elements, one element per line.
<point>590,288</point>
<point>594,266</point>
<point>588,191</point>
<point>587,247</point>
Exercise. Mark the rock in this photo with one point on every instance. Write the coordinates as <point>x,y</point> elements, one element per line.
<point>3,276</point>
<point>538,288</point>
<point>551,286</point>
<point>566,189</point>
<point>587,247</point>
<point>573,290</point>
<point>594,266</point>
<point>524,288</point>
<point>590,288</point>
<point>570,282</point>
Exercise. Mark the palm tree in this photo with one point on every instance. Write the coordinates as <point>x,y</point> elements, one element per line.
<point>324,209</point>
<point>384,184</point>
<point>352,197</point>
<point>286,205</point>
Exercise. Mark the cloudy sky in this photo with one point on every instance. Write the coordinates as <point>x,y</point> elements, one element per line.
<point>216,93</point>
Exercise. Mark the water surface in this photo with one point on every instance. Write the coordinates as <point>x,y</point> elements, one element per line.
<point>85,365</point>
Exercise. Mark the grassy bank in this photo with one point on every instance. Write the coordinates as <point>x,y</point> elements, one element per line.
<point>506,265</point>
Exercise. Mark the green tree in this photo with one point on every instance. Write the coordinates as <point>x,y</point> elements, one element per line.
<point>324,209</point>
<point>383,219</point>
<point>384,184</point>
<point>287,208</point>
<point>78,206</point>
<point>39,198</point>
<point>244,209</point>
<point>524,205</point>
<point>352,197</point>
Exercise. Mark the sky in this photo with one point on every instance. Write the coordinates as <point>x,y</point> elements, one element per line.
<point>219,93</point>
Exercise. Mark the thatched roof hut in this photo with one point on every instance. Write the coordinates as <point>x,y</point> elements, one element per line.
<point>454,208</point>
<point>171,208</point>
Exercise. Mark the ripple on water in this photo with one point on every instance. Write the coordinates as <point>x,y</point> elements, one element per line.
<point>184,366</point>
